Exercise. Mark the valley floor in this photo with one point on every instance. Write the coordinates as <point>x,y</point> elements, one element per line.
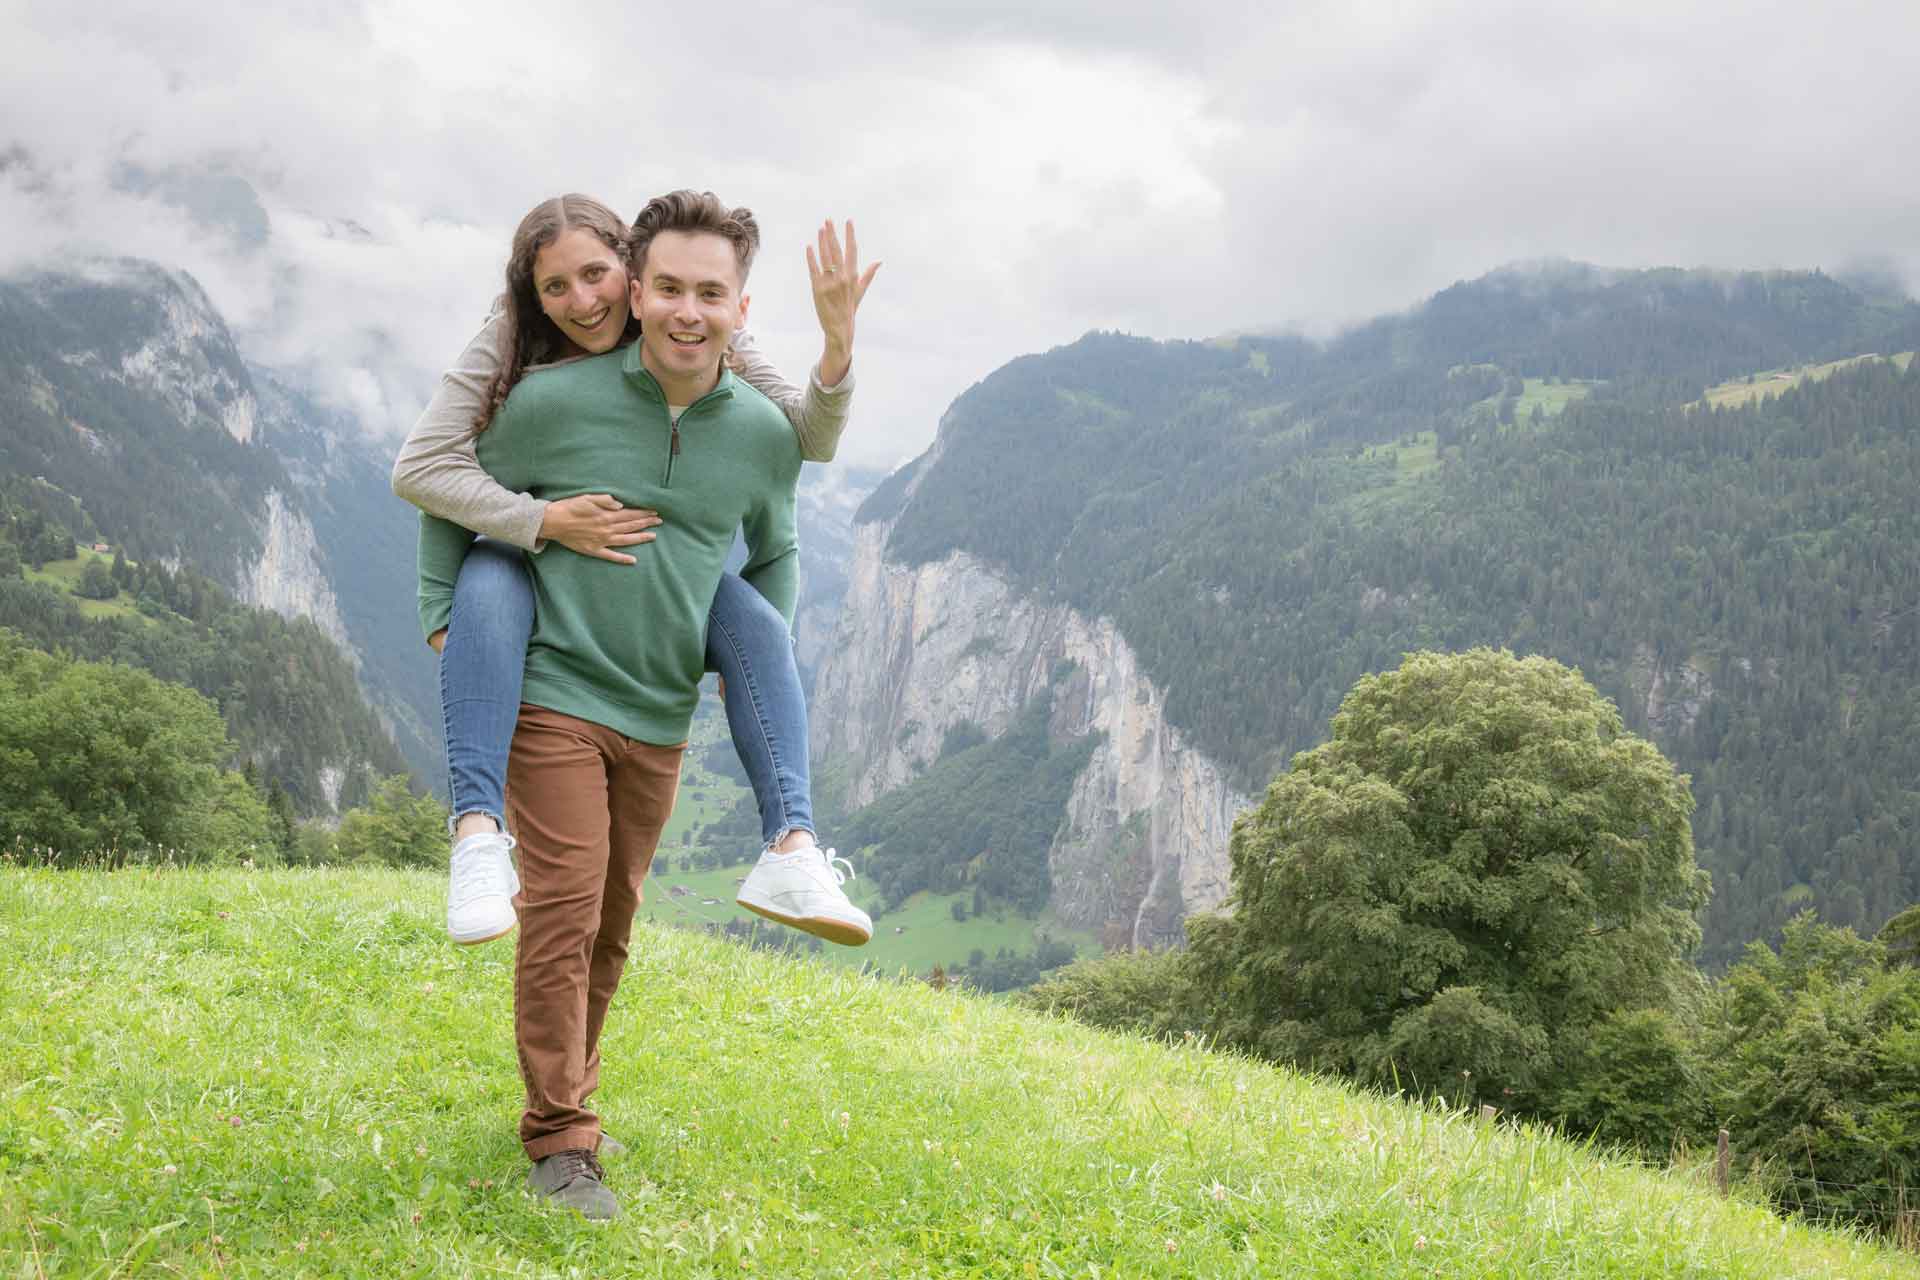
<point>241,1073</point>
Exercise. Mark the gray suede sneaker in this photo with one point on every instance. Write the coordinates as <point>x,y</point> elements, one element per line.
<point>573,1178</point>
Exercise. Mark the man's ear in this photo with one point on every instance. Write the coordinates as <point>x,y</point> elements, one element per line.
<point>744,300</point>
<point>634,291</point>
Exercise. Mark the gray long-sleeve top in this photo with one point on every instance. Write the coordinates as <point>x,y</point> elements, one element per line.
<point>439,472</point>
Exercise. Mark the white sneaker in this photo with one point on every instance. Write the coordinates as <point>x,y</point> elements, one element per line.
<point>802,889</point>
<point>480,888</point>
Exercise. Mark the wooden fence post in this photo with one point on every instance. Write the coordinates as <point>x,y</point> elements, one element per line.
<point>1487,1112</point>
<point>1722,1162</point>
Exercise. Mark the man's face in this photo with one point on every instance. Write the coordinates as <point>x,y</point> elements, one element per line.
<point>688,298</point>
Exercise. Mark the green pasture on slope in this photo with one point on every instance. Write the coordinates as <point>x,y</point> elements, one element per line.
<point>704,796</point>
<point>1550,398</point>
<point>910,938</point>
<point>1771,382</point>
<point>65,574</point>
<point>292,1073</point>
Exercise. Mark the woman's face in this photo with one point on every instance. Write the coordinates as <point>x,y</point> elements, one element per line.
<point>583,289</point>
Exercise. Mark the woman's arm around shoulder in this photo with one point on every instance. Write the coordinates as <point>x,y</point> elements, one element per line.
<point>818,413</point>
<point>438,469</point>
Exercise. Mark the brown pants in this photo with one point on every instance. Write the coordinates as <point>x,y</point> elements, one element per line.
<point>586,806</point>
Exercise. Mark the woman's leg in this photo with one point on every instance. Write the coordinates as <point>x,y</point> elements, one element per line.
<point>481,668</point>
<point>795,882</point>
<point>749,645</point>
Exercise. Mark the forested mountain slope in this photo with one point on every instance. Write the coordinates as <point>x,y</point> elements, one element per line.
<point>287,694</point>
<point>1513,463</point>
<point>129,419</point>
<point>122,388</point>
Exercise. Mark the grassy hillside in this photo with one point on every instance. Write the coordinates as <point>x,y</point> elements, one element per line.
<point>64,575</point>
<point>291,1074</point>
<point>1771,382</point>
<point>909,938</point>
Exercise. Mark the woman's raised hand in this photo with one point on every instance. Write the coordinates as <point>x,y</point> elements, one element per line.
<point>838,287</point>
<point>593,524</point>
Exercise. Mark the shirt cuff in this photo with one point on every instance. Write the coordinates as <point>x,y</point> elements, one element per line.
<point>840,388</point>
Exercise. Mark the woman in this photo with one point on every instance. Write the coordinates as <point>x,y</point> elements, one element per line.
<point>567,296</point>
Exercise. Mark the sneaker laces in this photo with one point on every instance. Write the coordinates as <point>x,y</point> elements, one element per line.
<point>573,1164</point>
<point>830,858</point>
<point>477,873</point>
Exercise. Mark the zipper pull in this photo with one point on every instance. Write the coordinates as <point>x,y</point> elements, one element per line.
<point>676,440</point>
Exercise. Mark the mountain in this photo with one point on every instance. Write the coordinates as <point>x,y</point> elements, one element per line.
<point>1224,536</point>
<point>127,407</point>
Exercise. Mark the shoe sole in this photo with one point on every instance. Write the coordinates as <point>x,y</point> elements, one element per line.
<point>474,940</point>
<point>485,937</point>
<point>837,931</point>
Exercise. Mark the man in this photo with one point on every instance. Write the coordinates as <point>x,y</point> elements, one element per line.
<point>617,653</point>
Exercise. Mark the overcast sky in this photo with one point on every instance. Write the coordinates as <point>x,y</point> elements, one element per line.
<point>344,177</point>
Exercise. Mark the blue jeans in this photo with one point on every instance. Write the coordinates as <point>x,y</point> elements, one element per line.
<point>484,661</point>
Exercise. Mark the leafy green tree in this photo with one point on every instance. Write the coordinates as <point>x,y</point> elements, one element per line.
<point>1478,867</point>
<point>233,824</point>
<point>313,845</point>
<point>1146,992</point>
<point>1901,937</point>
<point>397,828</point>
<point>96,582</point>
<point>100,760</point>
<point>281,819</point>
<point>1815,1067</point>
<point>1637,1081</point>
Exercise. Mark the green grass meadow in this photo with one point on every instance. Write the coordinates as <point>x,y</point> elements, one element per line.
<point>910,938</point>
<point>65,575</point>
<point>704,796</point>
<point>1771,382</point>
<point>1550,398</point>
<point>292,1073</point>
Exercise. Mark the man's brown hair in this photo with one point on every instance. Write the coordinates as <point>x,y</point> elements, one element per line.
<point>687,210</point>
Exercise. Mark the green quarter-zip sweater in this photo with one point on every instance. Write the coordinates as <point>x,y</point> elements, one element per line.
<point>624,645</point>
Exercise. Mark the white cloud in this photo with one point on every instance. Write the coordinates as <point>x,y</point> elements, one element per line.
<point>1027,171</point>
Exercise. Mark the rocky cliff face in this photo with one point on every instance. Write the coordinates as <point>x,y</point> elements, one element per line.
<point>288,577</point>
<point>178,350</point>
<point>825,502</point>
<point>176,347</point>
<point>918,651</point>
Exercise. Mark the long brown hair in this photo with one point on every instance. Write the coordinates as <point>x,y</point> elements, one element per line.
<point>531,337</point>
